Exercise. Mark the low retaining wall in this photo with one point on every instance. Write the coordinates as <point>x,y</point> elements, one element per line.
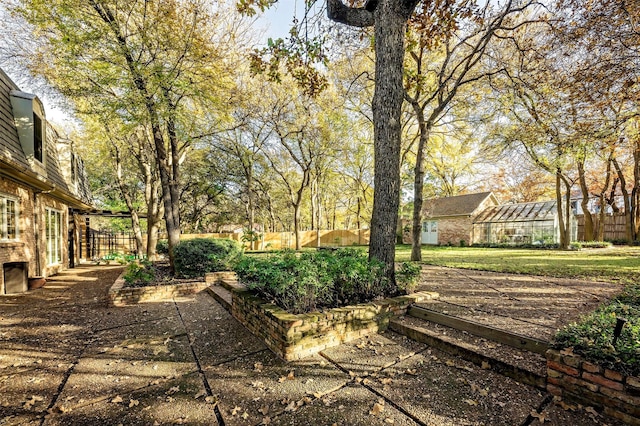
<point>297,336</point>
<point>572,378</point>
<point>123,296</point>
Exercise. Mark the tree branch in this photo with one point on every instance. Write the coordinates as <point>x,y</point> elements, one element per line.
<point>353,16</point>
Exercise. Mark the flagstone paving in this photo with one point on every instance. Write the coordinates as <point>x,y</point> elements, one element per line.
<point>67,358</point>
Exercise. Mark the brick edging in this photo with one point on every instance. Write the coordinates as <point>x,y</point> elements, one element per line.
<point>571,377</point>
<point>297,336</point>
<point>119,295</point>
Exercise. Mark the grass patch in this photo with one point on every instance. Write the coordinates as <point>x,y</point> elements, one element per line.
<point>616,264</point>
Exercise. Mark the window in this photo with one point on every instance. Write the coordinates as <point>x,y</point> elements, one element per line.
<point>8,219</point>
<point>54,236</point>
<point>37,137</point>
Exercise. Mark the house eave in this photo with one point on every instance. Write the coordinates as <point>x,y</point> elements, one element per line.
<point>32,180</point>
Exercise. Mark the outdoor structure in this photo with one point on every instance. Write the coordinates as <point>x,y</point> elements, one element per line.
<point>449,220</point>
<point>523,223</point>
<point>480,219</point>
<point>43,191</point>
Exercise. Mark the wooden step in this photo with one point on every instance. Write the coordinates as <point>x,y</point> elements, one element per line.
<point>521,365</point>
<point>481,330</point>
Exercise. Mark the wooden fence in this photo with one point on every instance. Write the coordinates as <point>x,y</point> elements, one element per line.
<point>283,240</point>
<point>615,226</point>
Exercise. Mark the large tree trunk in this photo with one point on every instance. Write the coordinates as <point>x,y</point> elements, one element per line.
<point>418,185</point>
<point>627,202</point>
<point>390,28</point>
<point>564,244</point>
<point>588,218</point>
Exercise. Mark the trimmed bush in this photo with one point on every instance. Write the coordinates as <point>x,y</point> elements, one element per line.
<point>592,337</point>
<point>139,273</point>
<point>162,247</point>
<point>194,258</point>
<point>407,276</point>
<point>315,280</point>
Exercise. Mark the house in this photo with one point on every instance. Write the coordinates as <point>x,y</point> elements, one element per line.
<point>43,191</point>
<point>449,220</point>
<point>480,219</point>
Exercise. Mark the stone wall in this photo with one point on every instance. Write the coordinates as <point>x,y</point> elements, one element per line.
<point>122,296</point>
<point>297,336</point>
<point>572,378</point>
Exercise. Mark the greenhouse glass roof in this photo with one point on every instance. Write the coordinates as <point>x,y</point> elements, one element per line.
<point>523,212</point>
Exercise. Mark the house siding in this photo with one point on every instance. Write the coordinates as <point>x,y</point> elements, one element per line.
<point>37,189</point>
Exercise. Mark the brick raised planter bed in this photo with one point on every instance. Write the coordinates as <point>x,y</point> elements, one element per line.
<point>123,296</point>
<point>572,378</point>
<point>297,336</point>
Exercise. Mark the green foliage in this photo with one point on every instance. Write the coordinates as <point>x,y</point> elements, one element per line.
<point>592,337</point>
<point>595,244</point>
<point>139,273</point>
<point>315,280</point>
<point>407,276</point>
<point>162,247</point>
<point>194,258</point>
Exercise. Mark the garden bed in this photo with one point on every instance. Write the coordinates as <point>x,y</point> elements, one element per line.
<point>122,294</point>
<point>297,336</point>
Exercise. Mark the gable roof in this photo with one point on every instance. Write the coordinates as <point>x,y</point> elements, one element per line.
<point>460,205</point>
<point>15,165</point>
<point>522,212</point>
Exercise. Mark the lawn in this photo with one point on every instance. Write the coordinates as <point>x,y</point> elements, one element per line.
<point>615,264</point>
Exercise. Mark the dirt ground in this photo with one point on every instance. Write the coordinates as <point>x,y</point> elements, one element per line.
<point>528,305</point>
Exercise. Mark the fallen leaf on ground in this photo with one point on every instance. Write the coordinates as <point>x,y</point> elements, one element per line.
<point>486,365</point>
<point>133,403</point>
<point>377,409</point>
<point>471,402</point>
<point>211,399</point>
<point>591,410</point>
<point>266,421</point>
<point>117,399</point>
<point>173,390</point>
<point>258,366</point>
<point>200,394</point>
<point>235,410</point>
<point>245,415</point>
<point>386,381</point>
<point>541,417</point>
<point>264,410</point>
<point>389,421</point>
<point>411,372</point>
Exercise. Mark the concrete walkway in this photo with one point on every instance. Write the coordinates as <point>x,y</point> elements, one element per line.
<point>66,358</point>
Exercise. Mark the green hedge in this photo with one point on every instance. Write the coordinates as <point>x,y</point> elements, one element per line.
<point>316,280</point>
<point>194,258</point>
<point>592,336</point>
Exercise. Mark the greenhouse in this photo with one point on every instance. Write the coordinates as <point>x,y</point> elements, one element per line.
<point>520,224</point>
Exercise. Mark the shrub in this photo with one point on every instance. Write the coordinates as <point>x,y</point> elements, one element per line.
<point>595,244</point>
<point>139,273</point>
<point>314,280</point>
<point>162,247</point>
<point>194,258</point>
<point>592,336</point>
<point>407,276</point>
